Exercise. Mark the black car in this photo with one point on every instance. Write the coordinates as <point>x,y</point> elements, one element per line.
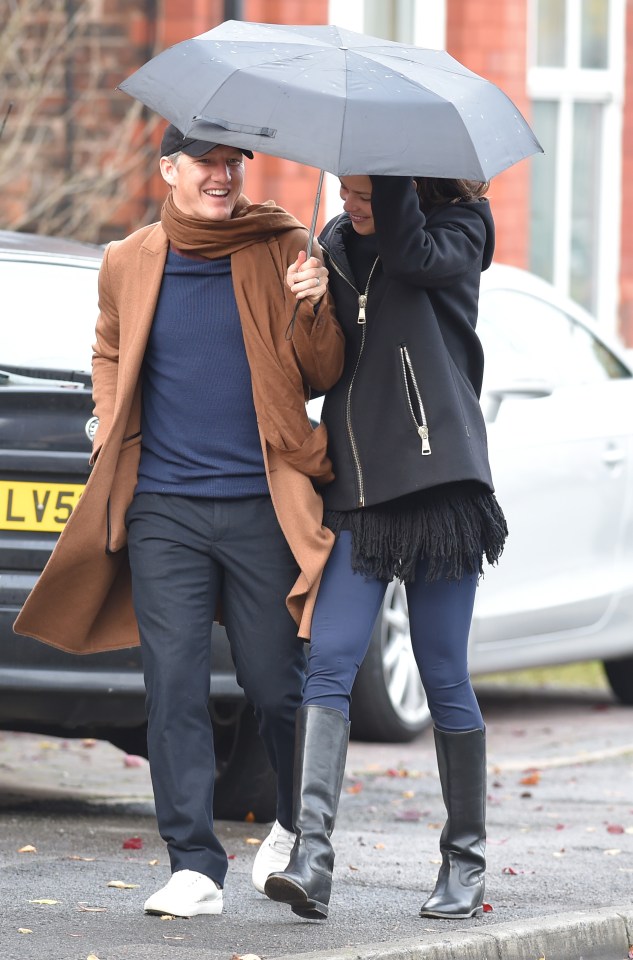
<point>46,425</point>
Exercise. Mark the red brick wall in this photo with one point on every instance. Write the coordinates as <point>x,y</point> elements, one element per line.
<point>626,261</point>
<point>96,154</point>
<point>489,37</point>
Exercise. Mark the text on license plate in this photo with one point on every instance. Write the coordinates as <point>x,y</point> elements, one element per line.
<point>37,506</point>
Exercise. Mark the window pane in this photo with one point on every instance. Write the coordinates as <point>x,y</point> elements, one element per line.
<point>550,33</point>
<point>528,338</point>
<point>594,31</point>
<point>585,196</point>
<point>52,314</point>
<point>543,190</point>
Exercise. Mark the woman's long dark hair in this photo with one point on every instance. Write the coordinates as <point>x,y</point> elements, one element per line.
<point>433,191</point>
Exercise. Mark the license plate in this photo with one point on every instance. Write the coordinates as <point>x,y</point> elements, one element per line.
<point>37,506</point>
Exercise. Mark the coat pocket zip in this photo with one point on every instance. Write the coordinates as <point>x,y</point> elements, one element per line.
<point>408,375</point>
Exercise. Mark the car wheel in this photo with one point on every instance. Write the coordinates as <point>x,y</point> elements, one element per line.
<point>388,702</point>
<point>245,783</point>
<point>620,676</point>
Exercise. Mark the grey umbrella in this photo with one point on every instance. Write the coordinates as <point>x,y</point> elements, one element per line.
<point>331,98</point>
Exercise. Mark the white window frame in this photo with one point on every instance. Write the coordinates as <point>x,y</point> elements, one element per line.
<point>569,85</point>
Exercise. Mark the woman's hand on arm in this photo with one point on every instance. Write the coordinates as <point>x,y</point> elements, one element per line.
<point>307,278</point>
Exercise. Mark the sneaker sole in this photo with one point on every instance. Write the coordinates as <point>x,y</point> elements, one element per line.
<point>209,909</point>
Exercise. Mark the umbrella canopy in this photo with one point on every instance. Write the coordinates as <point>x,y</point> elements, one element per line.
<point>331,98</point>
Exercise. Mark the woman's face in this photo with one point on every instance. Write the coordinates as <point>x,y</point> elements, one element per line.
<point>356,196</point>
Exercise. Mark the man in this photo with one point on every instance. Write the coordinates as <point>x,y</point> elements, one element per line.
<point>204,488</point>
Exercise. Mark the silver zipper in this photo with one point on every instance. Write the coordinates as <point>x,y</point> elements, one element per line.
<point>422,428</point>
<point>362,320</point>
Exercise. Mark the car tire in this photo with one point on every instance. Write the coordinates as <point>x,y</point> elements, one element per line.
<point>388,700</point>
<point>245,782</point>
<point>620,676</point>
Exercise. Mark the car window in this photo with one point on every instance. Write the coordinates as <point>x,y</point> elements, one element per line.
<point>526,337</point>
<point>52,309</point>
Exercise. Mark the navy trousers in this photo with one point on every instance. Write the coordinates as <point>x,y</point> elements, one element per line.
<point>186,553</point>
<point>440,613</point>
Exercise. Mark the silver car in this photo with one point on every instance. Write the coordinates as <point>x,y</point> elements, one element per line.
<point>558,401</point>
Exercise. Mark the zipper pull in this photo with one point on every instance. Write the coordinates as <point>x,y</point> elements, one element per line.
<point>362,301</point>
<point>424,436</point>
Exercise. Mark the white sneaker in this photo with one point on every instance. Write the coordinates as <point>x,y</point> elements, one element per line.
<point>273,855</point>
<point>186,895</point>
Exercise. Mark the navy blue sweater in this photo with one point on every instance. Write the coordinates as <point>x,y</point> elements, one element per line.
<point>199,426</point>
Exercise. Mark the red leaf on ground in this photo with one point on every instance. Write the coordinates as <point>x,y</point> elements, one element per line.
<point>131,760</point>
<point>615,828</point>
<point>509,870</point>
<point>133,843</point>
<point>354,788</point>
<point>487,908</point>
<point>560,826</point>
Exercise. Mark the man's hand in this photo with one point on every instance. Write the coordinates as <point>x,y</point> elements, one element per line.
<point>308,279</point>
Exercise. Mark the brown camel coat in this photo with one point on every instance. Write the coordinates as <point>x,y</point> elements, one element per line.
<point>82,602</point>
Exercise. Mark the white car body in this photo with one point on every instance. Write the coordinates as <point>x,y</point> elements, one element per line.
<point>560,433</point>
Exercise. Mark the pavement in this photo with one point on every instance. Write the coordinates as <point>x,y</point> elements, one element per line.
<point>560,850</point>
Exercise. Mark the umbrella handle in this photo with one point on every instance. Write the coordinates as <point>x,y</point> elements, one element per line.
<point>311,232</point>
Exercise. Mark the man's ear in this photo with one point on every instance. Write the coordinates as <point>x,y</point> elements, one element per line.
<point>168,171</point>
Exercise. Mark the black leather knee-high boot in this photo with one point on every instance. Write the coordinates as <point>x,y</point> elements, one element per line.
<point>459,891</point>
<point>321,749</point>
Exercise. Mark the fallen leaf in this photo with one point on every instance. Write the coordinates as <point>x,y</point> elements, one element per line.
<point>510,871</point>
<point>92,956</point>
<point>379,846</point>
<point>352,868</point>
<point>88,743</point>
<point>614,852</point>
<point>354,787</point>
<point>531,779</point>
<point>24,930</point>
<point>408,794</point>
<point>131,760</point>
<point>253,840</point>
<point>615,828</point>
<point>133,843</point>
<point>29,848</point>
<point>153,863</point>
<point>84,859</point>
<point>167,916</point>
<point>121,885</point>
<point>411,815</point>
<point>631,952</point>
<point>47,745</point>
<point>250,817</point>
<point>92,909</point>
<point>45,902</point>
<point>487,908</point>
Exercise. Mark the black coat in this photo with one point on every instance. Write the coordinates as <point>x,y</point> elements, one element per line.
<point>405,415</point>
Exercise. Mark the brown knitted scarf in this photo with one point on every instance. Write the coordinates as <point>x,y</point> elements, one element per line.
<point>262,240</point>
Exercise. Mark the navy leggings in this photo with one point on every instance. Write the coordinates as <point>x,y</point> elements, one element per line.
<point>440,613</point>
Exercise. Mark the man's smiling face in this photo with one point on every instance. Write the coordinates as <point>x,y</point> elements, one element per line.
<point>206,187</point>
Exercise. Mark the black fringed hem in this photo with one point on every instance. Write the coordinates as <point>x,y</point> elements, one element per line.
<point>452,527</point>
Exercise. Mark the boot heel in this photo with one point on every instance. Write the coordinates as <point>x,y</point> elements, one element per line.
<point>313,910</point>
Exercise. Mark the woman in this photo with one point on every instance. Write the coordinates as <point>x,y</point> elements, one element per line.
<point>412,498</point>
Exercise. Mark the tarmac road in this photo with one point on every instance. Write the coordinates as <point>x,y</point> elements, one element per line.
<point>560,845</point>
